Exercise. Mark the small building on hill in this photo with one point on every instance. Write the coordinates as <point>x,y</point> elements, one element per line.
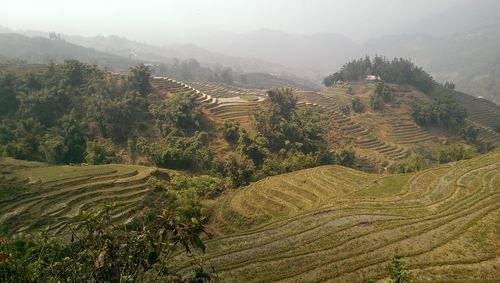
<point>373,78</point>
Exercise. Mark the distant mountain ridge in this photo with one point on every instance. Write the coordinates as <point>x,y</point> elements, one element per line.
<point>43,50</point>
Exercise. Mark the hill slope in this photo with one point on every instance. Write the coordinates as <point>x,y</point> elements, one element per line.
<point>38,196</point>
<point>334,224</point>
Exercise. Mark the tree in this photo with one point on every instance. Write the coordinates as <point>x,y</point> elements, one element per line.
<point>376,102</point>
<point>74,140</point>
<point>400,71</point>
<point>53,149</point>
<point>350,90</point>
<point>9,102</point>
<point>449,85</point>
<point>99,152</point>
<point>139,79</point>
<point>73,71</point>
<point>181,112</point>
<point>397,270</point>
<point>231,131</point>
<point>357,105</point>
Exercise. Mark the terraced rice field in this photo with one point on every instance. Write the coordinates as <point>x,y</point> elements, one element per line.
<point>407,132</point>
<point>340,225</point>
<point>482,114</point>
<point>51,197</point>
<point>351,130</point>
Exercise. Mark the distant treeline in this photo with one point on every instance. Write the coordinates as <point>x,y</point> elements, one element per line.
<point>399,71</point>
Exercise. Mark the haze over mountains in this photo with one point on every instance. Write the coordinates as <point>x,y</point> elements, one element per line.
<point>459,44</point>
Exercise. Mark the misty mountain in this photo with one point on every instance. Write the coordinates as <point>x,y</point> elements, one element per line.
<point>462,17</point>
<point>43,50</point>
<point>169,54</point>
<point>470,59</point>
<point>318,52</point>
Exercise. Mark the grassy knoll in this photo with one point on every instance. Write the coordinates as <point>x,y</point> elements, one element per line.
<point>339,225</point>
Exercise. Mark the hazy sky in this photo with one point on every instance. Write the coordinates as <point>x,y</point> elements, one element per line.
<point>166,21</point>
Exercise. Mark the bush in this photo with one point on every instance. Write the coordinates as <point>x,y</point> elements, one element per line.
<point>454,153</point>
<point>177,152</point>
<point>397,270</point>
<point>444,112</point>
<point>231,131</point>
<point>412,164</point>
<point>204,186</point>
<point>376,102</point>
<point>357,105</point>
<point>100,152</point>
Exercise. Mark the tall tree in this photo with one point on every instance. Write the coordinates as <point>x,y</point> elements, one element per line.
<point>139,79</point>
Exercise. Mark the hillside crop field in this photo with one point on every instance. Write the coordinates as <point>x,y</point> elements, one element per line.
<point>38,196</point>
<point>335,224</point>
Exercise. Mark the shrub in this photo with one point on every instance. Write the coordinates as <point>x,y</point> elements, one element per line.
<point>357,105</point>
<point>455,152</point>
<point>231,131</point>
<point>397,270</point>
<point>99,152</point>
<point>204,186</point>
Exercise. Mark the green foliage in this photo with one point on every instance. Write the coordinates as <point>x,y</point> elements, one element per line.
<point>412,164</point>
<point>99,152</point>
<point>139,79</point>
<point>181,112</point>
<point>345,157</point>
<point>64,146</point>
<point>444,112</point>
<point>179,152</point>
<point>204,186</point>
<point>52,113</point>
<point>102,252</point>
<point>376,102</point>
<point>357,105</point>
<point>397,270</point>
<point>470,134</point>
<point>53,149</point>
<point>231,131</point>
<point>455,152</point>
<point>399,71</point>
<point>8,91</point>
<point>350,90</point>
<point>384,91</point>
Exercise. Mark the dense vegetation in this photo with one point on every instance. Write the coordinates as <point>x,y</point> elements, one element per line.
<point>61,114</point>
<point>444,112</point>
<point>399,71</point>
<point>102,252</point>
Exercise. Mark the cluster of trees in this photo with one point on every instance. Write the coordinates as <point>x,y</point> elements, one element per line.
<point>455,152</point>
<point>383,94</point>
<point>399,71</point>
<point>287,139</point>
<point>192,70</point>
<point>444,112</point>
<point>71,113</point>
